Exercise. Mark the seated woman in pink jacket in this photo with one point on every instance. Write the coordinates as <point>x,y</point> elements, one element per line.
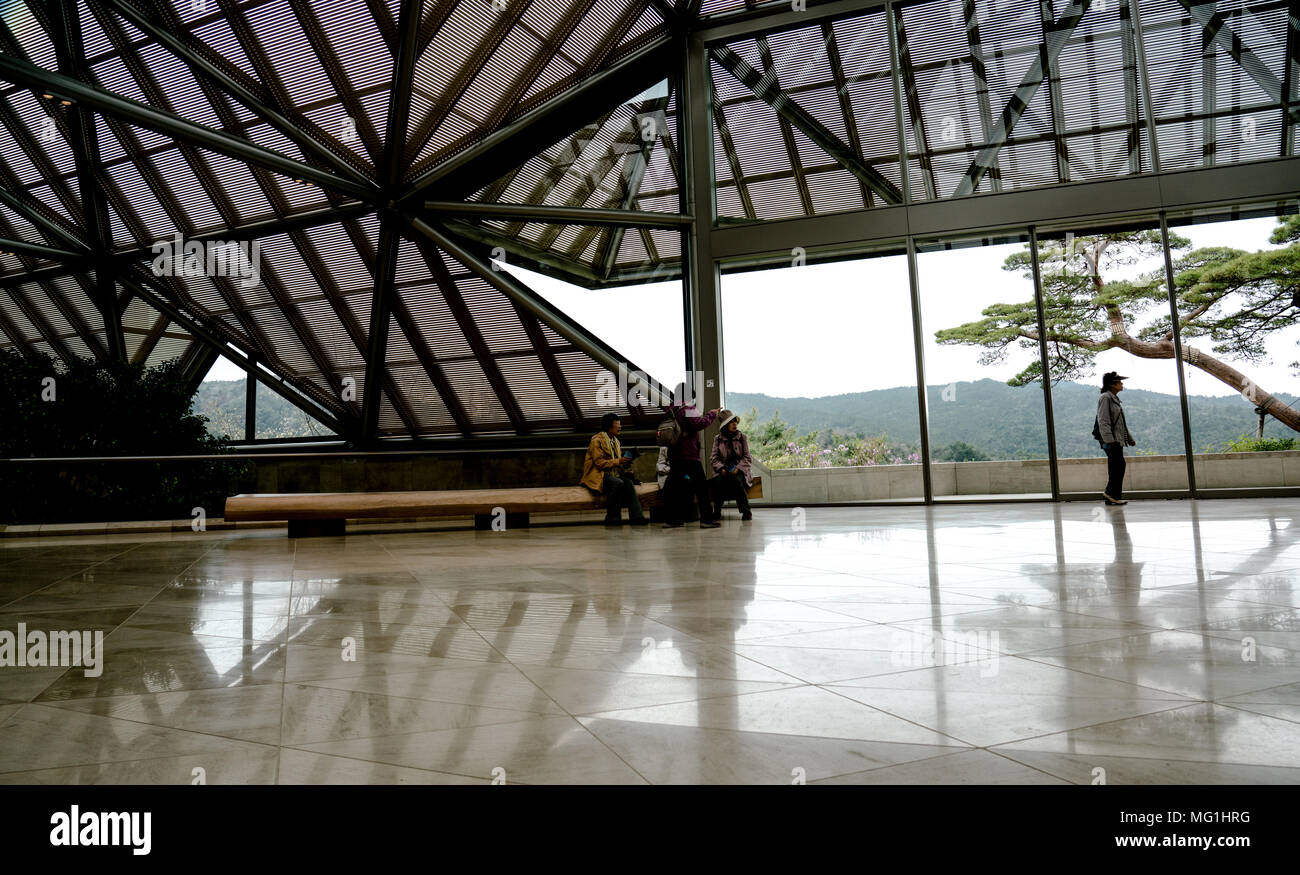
<point>731,461</point>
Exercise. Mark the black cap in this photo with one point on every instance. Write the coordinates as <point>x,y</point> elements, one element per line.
<point>1111,378</point>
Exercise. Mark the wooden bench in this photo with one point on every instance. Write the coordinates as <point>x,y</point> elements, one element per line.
<point>326,513</point>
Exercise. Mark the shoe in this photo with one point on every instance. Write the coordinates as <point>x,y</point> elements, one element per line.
<point>746,516</point>
<point>641,522</point>
<point>614,525</point>
<point>672,525</point>
<point>710,525</point>
<point>1110,500</point>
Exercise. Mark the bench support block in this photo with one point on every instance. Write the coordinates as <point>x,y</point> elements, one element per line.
<point>483,521</point>
<point>317,528</point>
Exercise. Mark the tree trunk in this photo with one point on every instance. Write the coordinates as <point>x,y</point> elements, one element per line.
<point>1221,371</point>
<point>1251,391</point>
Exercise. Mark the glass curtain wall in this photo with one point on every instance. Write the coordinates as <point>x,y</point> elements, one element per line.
<point>820,363</point>
<point>1238,280</point>
<point>985,410</point>
<point>1106,308</point>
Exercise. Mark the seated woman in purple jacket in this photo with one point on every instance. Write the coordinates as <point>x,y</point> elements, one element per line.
<point>731,461</point>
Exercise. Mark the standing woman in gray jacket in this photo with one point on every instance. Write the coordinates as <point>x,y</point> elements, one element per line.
<point>1113,433</point>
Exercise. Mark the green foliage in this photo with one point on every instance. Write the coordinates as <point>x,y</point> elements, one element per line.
<point>1252,444</point>
<point>958,451</point>
<point>103,409</point>
<point>1017,431</point>
<point>1233,298</point>
<point>777,444</point>
<point>768,438</point>
<point>1078,303</point>
<point>1287,230</point>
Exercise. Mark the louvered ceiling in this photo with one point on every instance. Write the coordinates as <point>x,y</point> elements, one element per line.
<point>308,84</point>
<point>994,96</point>
<point>625,160</point>
<point>328,131</point>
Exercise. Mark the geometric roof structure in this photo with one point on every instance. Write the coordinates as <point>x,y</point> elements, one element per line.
<point>385,156</point>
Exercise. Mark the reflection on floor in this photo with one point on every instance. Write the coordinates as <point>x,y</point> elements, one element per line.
<point>1015,643</point>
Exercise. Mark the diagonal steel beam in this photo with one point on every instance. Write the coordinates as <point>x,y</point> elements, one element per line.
<point>723,129</point>
<point>458,78</point>
<point>139,283</point>
<point>43,223</point>
<point>1058,35</point>
<point>468,325</point>
<point>980,70</point>
<point>384,21</point>
<point>842,95</point>
<point>20,343</point>
<point>633,176</point>
<point>1054,104</point>
<point>515,143</point>
<point>38,250</point>
<point>399,117</point>
<point>769,76</point>
<point>561,215</point>
<point>74,318</point>
<point>365,247</point>
<point>43,81</point>
<point>1216,26</point>
<point>151,338</point>
<point>197,360</point>
<point>84,139</point>
<point>765,87</point>
<point>196,56</point>
<point>325,51</point>
<point>520,294</point>
<point>385,272</point>
<point>251,231</point>
<point>533,328</point>
<point>41,324</point>
<point>1132,114</point>
<point>531,256</point>
<point>912,93</point>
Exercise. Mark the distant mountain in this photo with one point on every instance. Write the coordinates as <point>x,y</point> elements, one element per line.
<point>995,419</point>
<point>1002,421</point>
<point>222,402</point>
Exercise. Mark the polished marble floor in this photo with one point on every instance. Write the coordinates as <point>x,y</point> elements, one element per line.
<point>1157,643</point>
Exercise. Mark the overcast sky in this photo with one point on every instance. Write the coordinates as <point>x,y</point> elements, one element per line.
<point>829,329</point>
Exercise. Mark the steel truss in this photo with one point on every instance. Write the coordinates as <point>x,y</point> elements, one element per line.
<point>429,206</point>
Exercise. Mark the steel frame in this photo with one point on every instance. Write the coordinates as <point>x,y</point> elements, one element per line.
<point>418,207</point>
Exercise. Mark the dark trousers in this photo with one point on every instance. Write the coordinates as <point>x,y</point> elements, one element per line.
<point>686,478</point>
<point>620,492</point>
<point>1115,469</point>
<point>726,487</point>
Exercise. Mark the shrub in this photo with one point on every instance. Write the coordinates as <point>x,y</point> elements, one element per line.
<point>1248,444</point>
<point>91,408</point>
